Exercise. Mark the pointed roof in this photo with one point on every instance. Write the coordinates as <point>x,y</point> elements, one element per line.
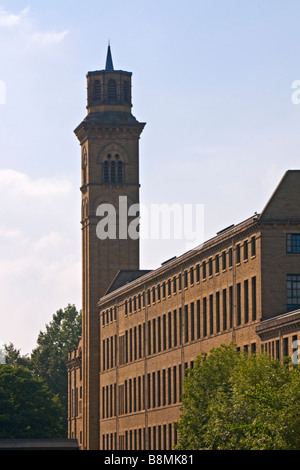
<point>109,63</point>
<point>284,202</point>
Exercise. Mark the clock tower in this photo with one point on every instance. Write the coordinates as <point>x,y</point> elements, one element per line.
<point>109,139</point>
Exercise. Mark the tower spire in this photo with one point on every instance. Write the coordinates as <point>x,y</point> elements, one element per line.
<point>109,62</point>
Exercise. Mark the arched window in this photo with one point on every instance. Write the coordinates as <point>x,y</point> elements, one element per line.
<point>126,92</point>
<point>113,172</point>
<point>120,172</point>
<point>113,169</point>
<point>112,90</point>
<point>97,90</point>
<point>106,172</point>
<point>84,163</point>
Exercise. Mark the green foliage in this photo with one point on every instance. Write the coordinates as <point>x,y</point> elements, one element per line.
<point>27,408</point>
<point>13,356</point>
<point>48,359</point>
<point>233,401</point>
<point>34,390</point>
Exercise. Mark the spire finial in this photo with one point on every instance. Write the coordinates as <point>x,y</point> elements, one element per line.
<point>109,62</point>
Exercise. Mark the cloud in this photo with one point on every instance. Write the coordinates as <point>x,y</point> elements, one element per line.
<point>40,253</point>
<point>26,26</point>
<point>21,184</point>
<point>48,38</point>
<point>11,19</point>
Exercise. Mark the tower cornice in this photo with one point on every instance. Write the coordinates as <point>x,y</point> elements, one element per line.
<point>87,130</point>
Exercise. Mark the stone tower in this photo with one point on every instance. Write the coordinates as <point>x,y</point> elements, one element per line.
<point>109,139</point>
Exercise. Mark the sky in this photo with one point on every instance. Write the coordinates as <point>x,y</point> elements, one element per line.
<point>216,82</point>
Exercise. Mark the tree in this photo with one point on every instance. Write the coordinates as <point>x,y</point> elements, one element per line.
<point>27,408</point>
<point>48,359</point>
<point>13,356</point>
<point>233,401</point>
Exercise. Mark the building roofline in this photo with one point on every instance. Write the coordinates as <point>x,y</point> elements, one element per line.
<point>286,174</point>
<point>230,233</point>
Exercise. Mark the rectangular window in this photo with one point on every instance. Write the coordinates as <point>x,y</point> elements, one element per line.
<point>164,387</point>
<point>170,436</point>
<point>210,267</point>
<point>204,317</point>
<point>153,390</point>
<point>238,304</point>
<point>192,322</point>
<point>149,337</point>
<point>169,330</point>
<point>175,327</point>
<point>139,393</point>
<point>217,261</point>
<point>174,384</point>
<point>180,325</point>
<point>158,292</point>
<point>149,391</point>
<point>180,381</point>
<point>253,246</point>
<point>224,309</point>
<point>144,393</point>
<point>218,311</point>
<point>107,402</point>
<point>277,349</point>
<point>197,273</point>
<point>293,292</point>
<point>192,276</point>
<point>144,340</point>
<point>130,344</point>
<point>185,279</point>
<point>159,334</point>
<point>112,352</point>
<point>153,294</point>
<point>246,301</point>
<point>253,282</point>
<point>285,347</point>
<point>169,386</point>
<point>139,302</point>
<point>140,341</point>
<point>293,243</point>
<point>198,319</point>
<point>107,352</point>
<point>159,438</point>
<point>186,323</point>
<point>134,394</point>
<point>224,260</point>
<point>245,250</point>
<point>158,388</point>
<point>130,396</point>
<point>238,254</point>
<point>211,314</point>
<point>204,270</point>
<point>231,306</point>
